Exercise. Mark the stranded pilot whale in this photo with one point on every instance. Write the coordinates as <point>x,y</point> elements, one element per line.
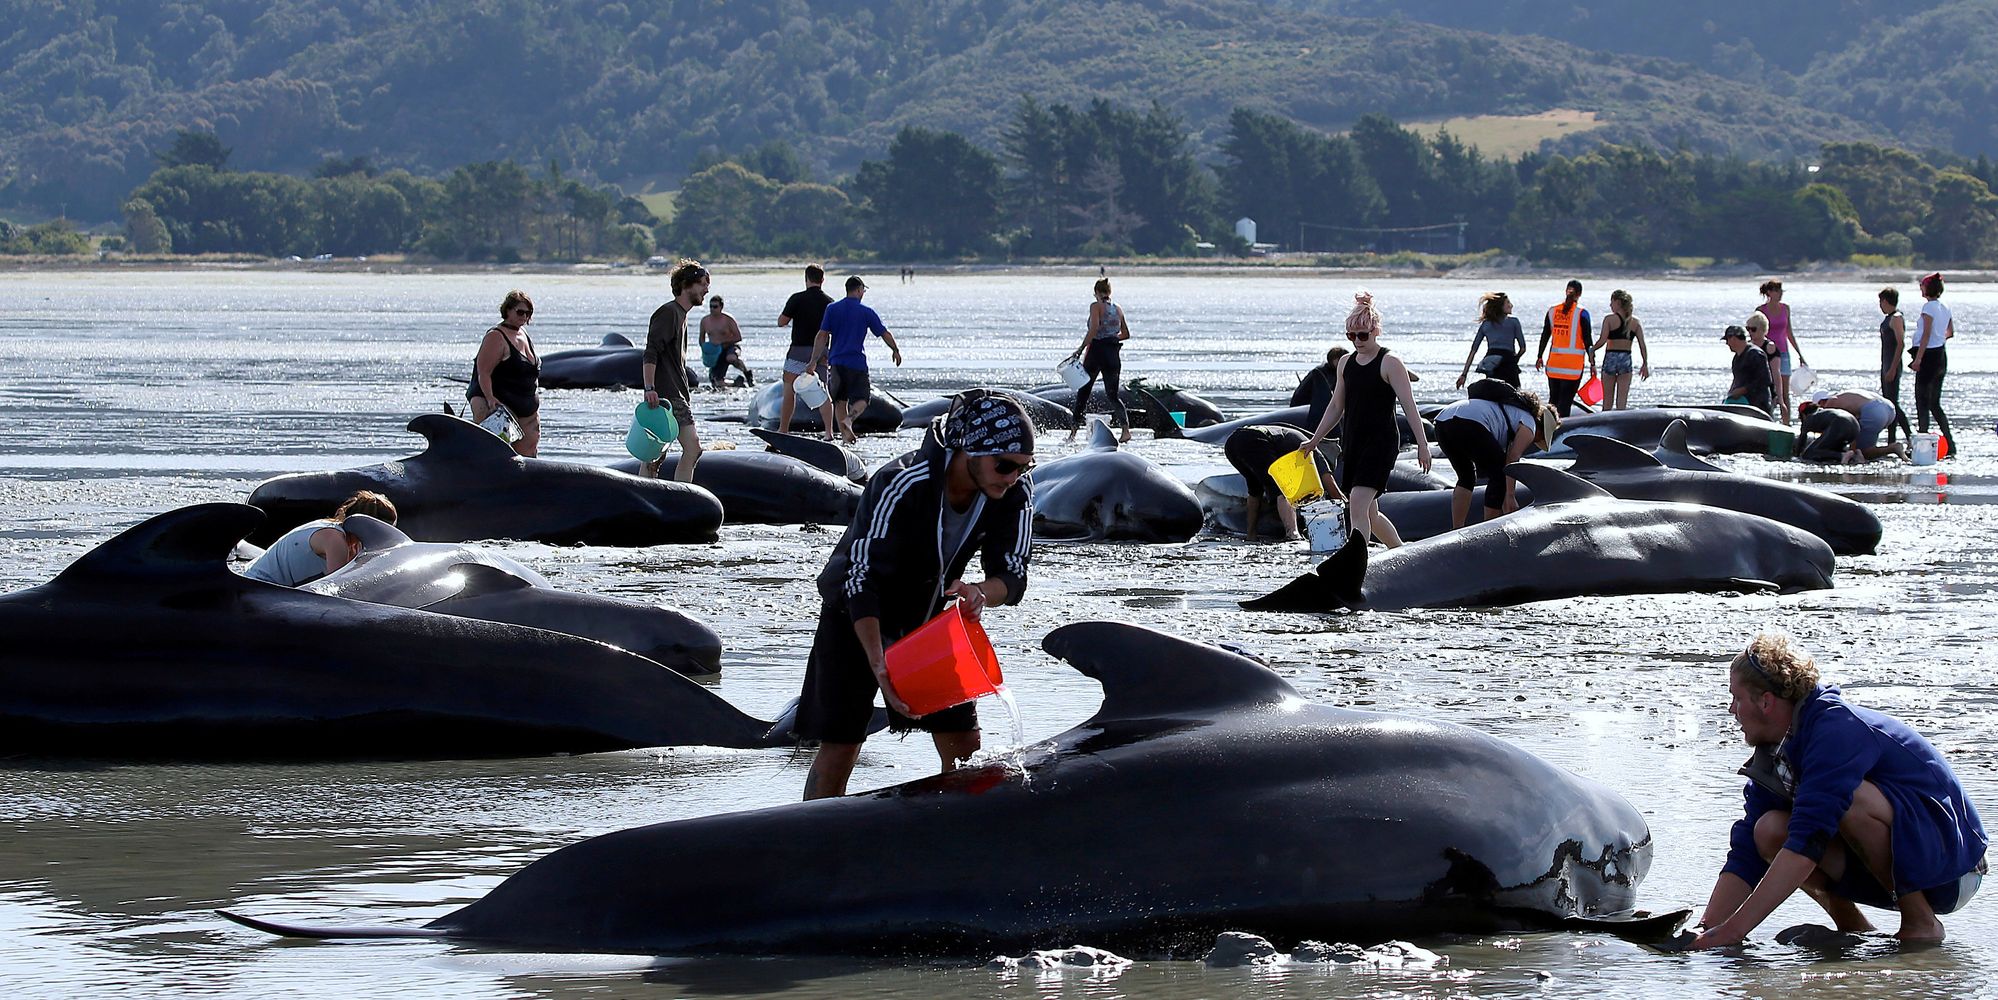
<point>1205,795</point>
<point>1574,540</point>
<point>452,578</point>
<point>1105,493</point>
<point>191,660</point>
<point>469,485</point>
<point>613,364</point>
<point>1630,473</point>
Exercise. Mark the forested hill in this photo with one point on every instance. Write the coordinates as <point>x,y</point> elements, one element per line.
<point>1923,71</point>
<point>631,90</point>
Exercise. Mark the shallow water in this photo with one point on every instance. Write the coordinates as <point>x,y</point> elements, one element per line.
<point>132,393</point>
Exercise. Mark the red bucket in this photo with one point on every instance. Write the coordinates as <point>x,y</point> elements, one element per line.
<point>1591,393</point>
<point>943,664</point>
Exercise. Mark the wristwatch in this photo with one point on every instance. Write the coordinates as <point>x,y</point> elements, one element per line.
<point>651,389</point>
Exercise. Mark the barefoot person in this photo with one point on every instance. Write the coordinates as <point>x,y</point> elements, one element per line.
<point>842,340</point>
<point>665,364</point>
<point>1845,803</point>
<point>1621,331</point>
<point>1782,344</point>
<point>1369,383</point>
<point>964,490</point>
<point>803,312</point>
<point>1102,354</point>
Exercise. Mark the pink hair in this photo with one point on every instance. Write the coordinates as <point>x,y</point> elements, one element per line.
<point>1364,316</point>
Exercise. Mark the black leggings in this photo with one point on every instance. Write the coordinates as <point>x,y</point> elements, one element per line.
<point>1474,454</point>
<point>1892,390</point>
<point>1561,393</point>
<point>1104,359</point>
<point>1928,392</point>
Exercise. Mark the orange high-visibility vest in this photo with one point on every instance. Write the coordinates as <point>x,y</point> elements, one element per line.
<point>1565,353</point>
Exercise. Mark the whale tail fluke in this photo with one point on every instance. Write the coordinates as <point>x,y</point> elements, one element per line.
<point>1334,584</point>
<point>329,933</point>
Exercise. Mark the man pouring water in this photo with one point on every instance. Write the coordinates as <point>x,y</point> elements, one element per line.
<point>901,560</point>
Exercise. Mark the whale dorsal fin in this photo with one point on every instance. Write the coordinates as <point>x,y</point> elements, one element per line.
<point>453,439</point>
<point>1100,438</point>
<point>481,579</point>
<point>1595,453</point>
<point>1159,415</point>
<point>1551,485</point>
<point>375,535</point>
<point>190,541</point>
<point>1149,674</point>
<point>1672,451</point>
<point>615,340</point>
<point>816,452</point>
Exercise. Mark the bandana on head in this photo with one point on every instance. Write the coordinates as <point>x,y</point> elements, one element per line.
<point>983,424</point>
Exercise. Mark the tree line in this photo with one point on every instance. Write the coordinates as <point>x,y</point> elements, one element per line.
<point>1100,181</point>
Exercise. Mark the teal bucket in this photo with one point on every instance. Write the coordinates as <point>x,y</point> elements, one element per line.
<point>652,429</point>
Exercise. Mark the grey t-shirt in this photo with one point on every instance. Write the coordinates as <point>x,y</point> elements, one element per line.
<point>957,524</point>
<point>1500,419</point>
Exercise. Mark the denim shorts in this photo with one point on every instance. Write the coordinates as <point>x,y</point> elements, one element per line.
<point>1616,363</point>
<point>1782,361</point>
<point>1874,418</point>
<point>798,360</point>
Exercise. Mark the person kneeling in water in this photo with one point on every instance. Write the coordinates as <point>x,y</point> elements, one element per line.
<point>317,548</point>
<point>1846,803</point>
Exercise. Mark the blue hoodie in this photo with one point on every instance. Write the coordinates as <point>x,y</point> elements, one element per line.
<point>1833,746</point>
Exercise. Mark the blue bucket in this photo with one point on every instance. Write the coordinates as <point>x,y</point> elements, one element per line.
<point>652,429</point>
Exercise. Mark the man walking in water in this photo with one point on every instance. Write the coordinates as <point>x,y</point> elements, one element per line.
<point>843,340</point>
<point>665,366</point>
<point>804,312</point>
<point>1567,327</point>
<point>965,488</point>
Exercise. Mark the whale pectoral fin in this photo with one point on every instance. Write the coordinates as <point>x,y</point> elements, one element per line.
<point>1594,452</point>
<point>1159,416</point>
<point>1637,925</point>
<point>329,933</point>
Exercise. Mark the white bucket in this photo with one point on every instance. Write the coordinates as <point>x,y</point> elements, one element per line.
<point>1325,526</point>
<point>810,392</point>
<point>1801,379</point>
<point>1071,372</point>
<point>1923,451</point>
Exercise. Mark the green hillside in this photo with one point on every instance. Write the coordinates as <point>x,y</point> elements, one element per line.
<point>631,91</point>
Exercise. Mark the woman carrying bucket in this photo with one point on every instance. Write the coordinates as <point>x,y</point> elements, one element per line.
<point>1102,353</point>
<point>507,373</point>
<point>1370,381</point>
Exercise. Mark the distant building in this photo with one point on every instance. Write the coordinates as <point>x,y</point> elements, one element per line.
<point>1245,228</point>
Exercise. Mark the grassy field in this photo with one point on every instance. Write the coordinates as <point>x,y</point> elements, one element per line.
<point>660,203</point>
<point>1511,135</point>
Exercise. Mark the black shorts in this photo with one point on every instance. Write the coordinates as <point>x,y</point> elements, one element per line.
<point>1251,455</point>
<point>837,701</point>
<point>849,384</point>
<point>1367,467</point>
<point>1475,455</point>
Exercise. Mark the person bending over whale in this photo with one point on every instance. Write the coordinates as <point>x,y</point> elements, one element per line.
<point>1870,413</point>
<point>965,489</point>
<point>317,548</point>
<point>1315,389</point>
<point>1844,802</point>
<point>1368,384</point>
<point>1824,434</point>
<point>1251,450</point>
<point>1482,438</point>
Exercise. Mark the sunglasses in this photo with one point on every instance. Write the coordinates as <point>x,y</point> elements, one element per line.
<point>1007,466</point>
<point>1357,336</point>
<point>519,311</point>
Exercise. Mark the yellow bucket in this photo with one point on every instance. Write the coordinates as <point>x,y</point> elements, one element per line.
<point>1296,474</point>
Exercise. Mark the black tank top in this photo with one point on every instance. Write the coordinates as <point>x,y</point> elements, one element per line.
<point>1622,334</point>
<point>515,381</point>
<point>1369,416</point>
<point>1890,359</point>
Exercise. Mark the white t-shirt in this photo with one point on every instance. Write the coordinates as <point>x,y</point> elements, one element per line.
<point>1938,315</point>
